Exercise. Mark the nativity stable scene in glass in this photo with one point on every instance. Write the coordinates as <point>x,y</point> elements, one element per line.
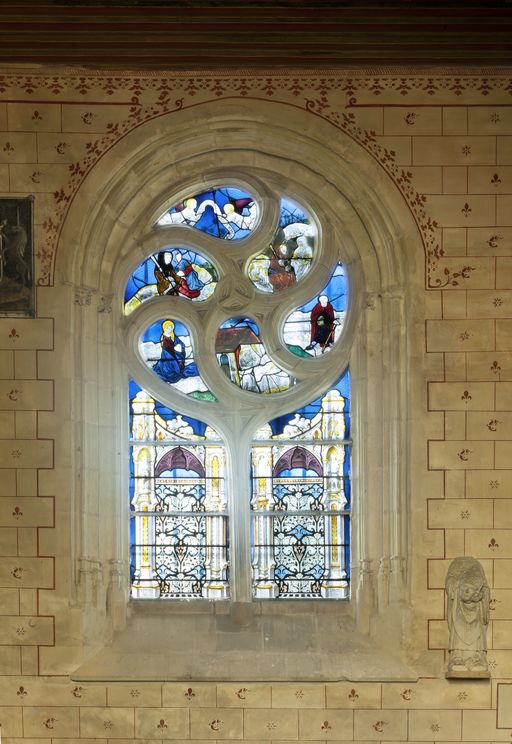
<point>240,410</point>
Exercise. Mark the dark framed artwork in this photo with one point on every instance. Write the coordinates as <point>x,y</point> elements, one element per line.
<point>17,291</point>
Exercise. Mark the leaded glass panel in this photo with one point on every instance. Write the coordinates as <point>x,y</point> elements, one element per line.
<point>244,360</point>
<point>166,348</point>
<point>179,523</point>
<point>314,327</point>
<point>287,258</point>
<point>228,213</point>
<point>174,271</point>
<point>300,502</point>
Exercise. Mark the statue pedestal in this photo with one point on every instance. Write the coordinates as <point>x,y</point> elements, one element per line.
<point>467,674</point>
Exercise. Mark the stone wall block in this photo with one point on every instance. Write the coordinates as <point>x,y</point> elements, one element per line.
<point>26,395</point>
<point>453,150</point>
<point>431,725</point>
<point>269,724</point>
<point>489,304</point>
<point>218,723</point>
<point>351,696</point>
<point>26,512</point>
<point>167,723</point>
<point>489,425</point>
<point>26,572</point>
<point>316,725</point>
<point>188,695</point>
<point>494,366</point>
<point>463,210</point>
<point>139,695</point>
<point>489,120</point>
<point>26,453</point>
<point>408,120</point>
<point>243,695</point>
<point>389,725</point>
<point>38,177</point>
<point>490,179</point>
<point>18,147</point>
<point>11,722</point>
<point>26,631</point>
<point>457,513</point>
<point>298,696</point>
<point>460,396</point>
<point>56,721</point>
<point>460,335</point>
<point>460,455</point>
<point>34,117</point>
<point>25,333</point>
<point>488,241</point>
<point>489,543</point>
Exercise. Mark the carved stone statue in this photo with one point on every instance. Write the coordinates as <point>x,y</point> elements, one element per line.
<point>468,617</point>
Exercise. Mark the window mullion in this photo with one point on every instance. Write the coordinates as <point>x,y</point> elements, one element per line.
<point>240,522</point>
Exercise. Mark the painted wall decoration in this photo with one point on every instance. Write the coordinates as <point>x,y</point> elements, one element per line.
<point>243,358</point>
<point>287,259</point>
<point>17,296</point>
<point>228,213</point>
<point>166,347</point>
<point>178,272</point>
<point>314,327</point>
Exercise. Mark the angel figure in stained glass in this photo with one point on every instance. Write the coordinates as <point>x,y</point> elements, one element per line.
<point>240,212</point>
<point>188,212</point>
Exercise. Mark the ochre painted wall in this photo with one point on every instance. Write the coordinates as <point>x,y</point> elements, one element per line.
<point>446,142</point>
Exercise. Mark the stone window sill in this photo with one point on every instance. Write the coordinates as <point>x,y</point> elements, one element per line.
<point>272,641</point>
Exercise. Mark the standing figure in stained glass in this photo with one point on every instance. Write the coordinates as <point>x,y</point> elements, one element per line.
<point>171,365</point>
<point>322,324</point>
<point>281,272</point>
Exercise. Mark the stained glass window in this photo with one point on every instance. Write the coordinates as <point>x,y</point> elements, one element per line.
<point>178,511</point>
<point>173,271</point>
<point>243,359</point>
<point>166,347</point>
<point>202,468</point>
<point>314,327</point>
<point>287,258</point>
<point>228,213</point>
<point>300,501</point>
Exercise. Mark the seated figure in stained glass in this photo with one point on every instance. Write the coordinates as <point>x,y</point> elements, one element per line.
<point>171,365</point>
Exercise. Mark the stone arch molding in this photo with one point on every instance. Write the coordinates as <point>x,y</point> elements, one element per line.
<point>365,221</point>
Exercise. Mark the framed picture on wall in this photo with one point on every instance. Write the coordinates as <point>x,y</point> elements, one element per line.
<point>17,291</point>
